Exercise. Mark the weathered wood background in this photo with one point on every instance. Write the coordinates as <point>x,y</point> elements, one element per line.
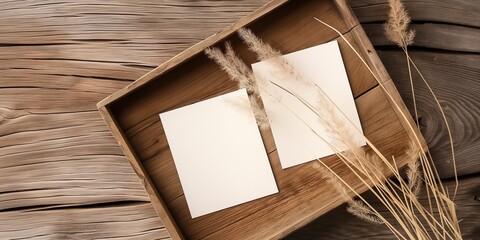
<point>62,175</point>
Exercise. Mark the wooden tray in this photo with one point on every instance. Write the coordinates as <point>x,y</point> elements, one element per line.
<point>132,116</point>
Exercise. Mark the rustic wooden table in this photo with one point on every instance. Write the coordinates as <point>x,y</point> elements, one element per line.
<point>62,175</point>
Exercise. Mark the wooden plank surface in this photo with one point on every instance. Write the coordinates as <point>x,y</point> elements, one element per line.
<point>61,172</point>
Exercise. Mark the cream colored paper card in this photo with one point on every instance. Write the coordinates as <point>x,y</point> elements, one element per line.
<point>296,143</point>
<point>218,153</point>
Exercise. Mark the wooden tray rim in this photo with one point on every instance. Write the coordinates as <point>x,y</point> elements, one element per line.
<point>343,7</point>
<point>159,205</point>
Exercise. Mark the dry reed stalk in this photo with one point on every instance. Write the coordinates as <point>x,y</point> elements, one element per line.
<point>444,118</point>
<point>397,30</point>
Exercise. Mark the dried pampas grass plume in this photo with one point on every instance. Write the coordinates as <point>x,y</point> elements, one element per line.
<point>239,72</point>
<point>265,52</point>
<point>397,31</point>
<point>360,210</point>
<point>414,152</point>
<point>355,207</point>
<point>233,66</point>
<point>251,105</point>
<point>397,24</point>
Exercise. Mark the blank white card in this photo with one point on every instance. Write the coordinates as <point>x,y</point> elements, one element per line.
<point>296,143</point>
<point>218,153</point>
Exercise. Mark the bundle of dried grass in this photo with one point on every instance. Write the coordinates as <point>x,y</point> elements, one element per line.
<point>439,215</point>
<point>398,196</point>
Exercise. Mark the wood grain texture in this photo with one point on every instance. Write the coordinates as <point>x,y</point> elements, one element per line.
<point>59,58</point>
<point>117,221</point>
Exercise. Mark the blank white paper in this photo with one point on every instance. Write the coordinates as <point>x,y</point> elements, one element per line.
<point>296,143</point>
<point>218,153</point>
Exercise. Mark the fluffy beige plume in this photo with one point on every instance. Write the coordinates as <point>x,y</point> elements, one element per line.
<point>414,176</point>
<point>333,180</point>
<point>230,64</point>
<point>265,52</point>
<point>260,115</point>
<point>240,73</point>
<point>355,207</point>
<point>362,211</point>
<point>397,24</point>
